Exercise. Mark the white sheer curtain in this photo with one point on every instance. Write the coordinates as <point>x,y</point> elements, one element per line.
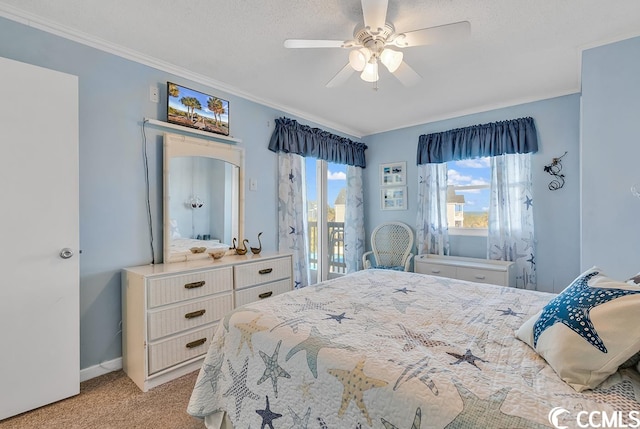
<point>354,220</point>
<point>432,232</point>
<point>511,232</point>
<point>292,215</point>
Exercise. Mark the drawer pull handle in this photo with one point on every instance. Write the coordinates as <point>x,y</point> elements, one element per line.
<point>196,343</point>
<point>480,277</point>
<point>265,294</point>
<point>195,314</point>
<point>435,271</point>
<point>265,271</point>
<point>194,285</point>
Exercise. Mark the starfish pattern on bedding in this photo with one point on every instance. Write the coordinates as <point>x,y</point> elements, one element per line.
<point>272,369</point>
<point>401,306</point>
<point>467,357</point>
<point>509,312</point>
<point>355,383</point>
<point>300,423</point>
<point>572,308</point>
<point>485,413</point>
<point>294,323</point>
<point>413,339</point>
<point>418,369</point>
<point>312,346</point>
<point>268,416</point>
<point>239,387</point>
<point>404,290</point>
<point>359,306</point>
<point>311,305</point>
<point>623,391</point>
<point>212,373</point>
<point>305,388</point>
<point>373,323</point>
<point>338,317</point>
<point>467,303</point>
<point>227,317</point>
<point>417,421</point>
<point>246,333</point>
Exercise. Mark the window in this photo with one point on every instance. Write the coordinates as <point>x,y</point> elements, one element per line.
<point>468,188</point>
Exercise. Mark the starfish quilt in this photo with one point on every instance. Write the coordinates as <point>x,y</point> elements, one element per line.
<point>388,349</point>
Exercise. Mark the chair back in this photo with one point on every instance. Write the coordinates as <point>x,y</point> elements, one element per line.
<point>391,243</point>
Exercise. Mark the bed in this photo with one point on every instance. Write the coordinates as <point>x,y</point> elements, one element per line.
<point>388,349</point>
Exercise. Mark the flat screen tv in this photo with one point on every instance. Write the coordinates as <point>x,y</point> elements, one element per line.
<point>197,110</point>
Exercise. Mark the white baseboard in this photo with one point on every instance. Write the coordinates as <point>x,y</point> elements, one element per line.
<point>100,369</point>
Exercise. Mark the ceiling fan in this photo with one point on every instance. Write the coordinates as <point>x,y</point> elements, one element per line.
<point>372,44</point>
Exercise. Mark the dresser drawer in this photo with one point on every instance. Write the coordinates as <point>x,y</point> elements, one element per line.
<point>167,290</point>
<point>172,320</point>
<point>172,351</point>
<point>255,273</point>
<point>247,295</point>
<point>435,269</point>
<point>482,276</point>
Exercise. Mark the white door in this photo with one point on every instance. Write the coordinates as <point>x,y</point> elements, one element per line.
<point>39,288</point>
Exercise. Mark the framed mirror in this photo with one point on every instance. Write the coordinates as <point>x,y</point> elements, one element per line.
<point>203,199</point>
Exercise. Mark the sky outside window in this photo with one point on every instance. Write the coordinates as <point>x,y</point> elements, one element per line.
<point>471,172</point>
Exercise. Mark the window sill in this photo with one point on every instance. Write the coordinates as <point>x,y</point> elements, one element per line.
<point>471,232</point>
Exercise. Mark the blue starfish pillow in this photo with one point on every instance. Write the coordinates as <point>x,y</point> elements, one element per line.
<point>588,330</point>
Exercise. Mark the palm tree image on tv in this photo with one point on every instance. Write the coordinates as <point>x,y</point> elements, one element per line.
<point>195,109</point>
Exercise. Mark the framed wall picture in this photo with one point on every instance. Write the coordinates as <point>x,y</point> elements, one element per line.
<point>393,198</point>
<point>393,174</point>
<point>194,109</point>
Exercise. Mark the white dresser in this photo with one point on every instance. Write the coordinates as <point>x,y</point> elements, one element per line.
<point>170,311</point>
<point>471,269</point>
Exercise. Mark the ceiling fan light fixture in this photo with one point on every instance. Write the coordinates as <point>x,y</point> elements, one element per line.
<point>391,59</point>
<point>358,58</point>
<point>370,72</point>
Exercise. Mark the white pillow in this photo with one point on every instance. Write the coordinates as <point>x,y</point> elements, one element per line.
<point>588,330</point>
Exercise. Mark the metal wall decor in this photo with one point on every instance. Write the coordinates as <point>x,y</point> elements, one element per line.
<point>554,169</point>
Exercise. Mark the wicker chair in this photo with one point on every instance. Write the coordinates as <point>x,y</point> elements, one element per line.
<point>392,243</point>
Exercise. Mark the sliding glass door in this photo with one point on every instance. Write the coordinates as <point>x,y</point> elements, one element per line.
<point>326,204</point>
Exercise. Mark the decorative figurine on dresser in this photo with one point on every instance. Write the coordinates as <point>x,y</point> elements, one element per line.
<point>170,311</point>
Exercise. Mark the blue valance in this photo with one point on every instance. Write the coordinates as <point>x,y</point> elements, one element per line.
<point>290,136</point>
<point>493,139</point>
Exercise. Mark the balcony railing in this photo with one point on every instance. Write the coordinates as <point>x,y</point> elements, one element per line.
<point>336,247</point>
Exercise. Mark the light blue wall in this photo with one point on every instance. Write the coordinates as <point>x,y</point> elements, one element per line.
<point>556,213</point>
<point>114,233</point>
<point>610,154</point>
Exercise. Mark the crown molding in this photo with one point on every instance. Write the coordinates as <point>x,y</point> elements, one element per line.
<point>40,23</point>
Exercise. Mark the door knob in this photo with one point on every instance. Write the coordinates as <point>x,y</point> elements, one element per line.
<point>66,253</point>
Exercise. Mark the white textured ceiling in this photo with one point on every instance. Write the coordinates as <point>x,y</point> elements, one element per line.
<point>518,51</point>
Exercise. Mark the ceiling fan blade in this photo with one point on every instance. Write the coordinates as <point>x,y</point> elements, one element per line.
<point>341,77</point>
<point>375,13</point>
<point>301,43</point>
<point>407,75</point>
<point>434,35</point>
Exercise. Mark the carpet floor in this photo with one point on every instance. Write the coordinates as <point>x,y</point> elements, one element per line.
<point>113,401</point>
